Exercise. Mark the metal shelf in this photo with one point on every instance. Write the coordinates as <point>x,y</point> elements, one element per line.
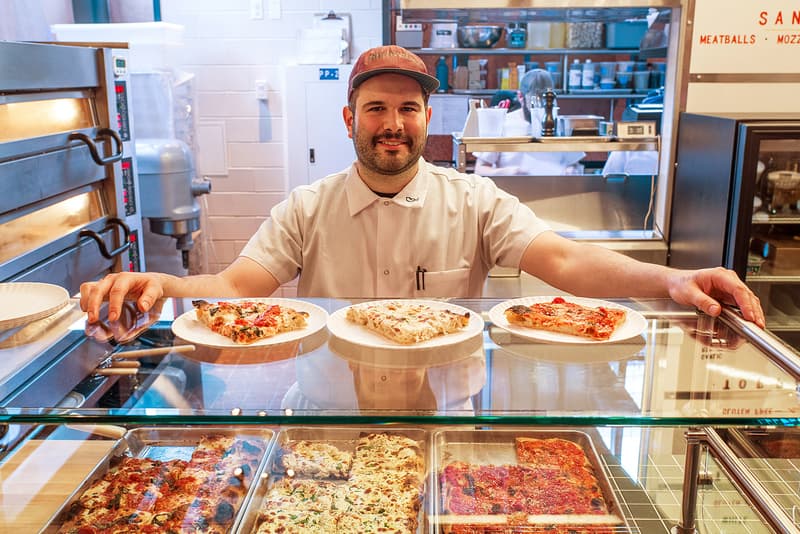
<point>523,51</point>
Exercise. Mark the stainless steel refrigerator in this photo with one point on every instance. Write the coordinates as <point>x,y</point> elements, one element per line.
<point>736,203</point>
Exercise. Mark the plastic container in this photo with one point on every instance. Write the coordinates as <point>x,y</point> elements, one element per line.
<point>575,79</point>
<point>517,35</point>
<point>625,34</point>
<point>538,35</point>
<point>151,44</point>
<point>587,78</point>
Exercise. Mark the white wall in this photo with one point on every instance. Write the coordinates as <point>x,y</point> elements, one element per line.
<point>228,52</point>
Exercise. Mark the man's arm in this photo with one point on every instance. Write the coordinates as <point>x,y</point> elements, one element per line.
<point>243,278</point>
<point>593,271</point>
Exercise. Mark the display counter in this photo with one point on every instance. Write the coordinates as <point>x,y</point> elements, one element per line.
<point>684,420</point>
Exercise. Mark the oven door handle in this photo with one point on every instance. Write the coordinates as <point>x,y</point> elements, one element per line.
<point>126,244</point>
<point>102,133</point>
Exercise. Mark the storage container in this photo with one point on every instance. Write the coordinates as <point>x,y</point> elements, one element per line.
<point>625,34</point>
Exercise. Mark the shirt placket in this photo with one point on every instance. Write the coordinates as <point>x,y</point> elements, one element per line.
<point>388,233</point>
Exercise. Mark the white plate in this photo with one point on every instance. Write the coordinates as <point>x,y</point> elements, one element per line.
<point>634,324</point>
<point>24,302</point>
<point>187,327</point>
<point>339,326</point>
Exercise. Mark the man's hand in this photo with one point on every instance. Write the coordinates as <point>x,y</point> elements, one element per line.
<point>144,288</point>
<point>706,289</point>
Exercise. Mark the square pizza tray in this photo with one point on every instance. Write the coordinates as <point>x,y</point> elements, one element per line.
<point>343,438</point>
<point>763,442</point>
<point>497,447</point>
<point>165,443</point>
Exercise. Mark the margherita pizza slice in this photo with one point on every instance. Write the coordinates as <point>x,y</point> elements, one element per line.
<point>248,321</point>
<point>406,322</point>
<point>568,318</point>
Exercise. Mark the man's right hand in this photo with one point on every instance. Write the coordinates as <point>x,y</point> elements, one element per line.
<point>144,288</point>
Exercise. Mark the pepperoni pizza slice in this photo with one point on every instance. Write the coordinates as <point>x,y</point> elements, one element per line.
<point>566,317</point>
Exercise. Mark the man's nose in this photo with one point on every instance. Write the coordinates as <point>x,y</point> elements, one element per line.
<point>392,121</point>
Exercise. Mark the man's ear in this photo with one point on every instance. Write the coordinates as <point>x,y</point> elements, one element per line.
<point>348,117</point>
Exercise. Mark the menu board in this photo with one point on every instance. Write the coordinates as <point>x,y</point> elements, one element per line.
<point>746,37</point>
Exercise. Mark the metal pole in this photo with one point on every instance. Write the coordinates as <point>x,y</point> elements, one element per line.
<point>689,497</point>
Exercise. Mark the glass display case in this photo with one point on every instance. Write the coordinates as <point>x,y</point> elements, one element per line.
<point>683,420</point>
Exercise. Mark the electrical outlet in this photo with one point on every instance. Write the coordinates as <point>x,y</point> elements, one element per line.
<point>256,9</point>
<point>261,89</point>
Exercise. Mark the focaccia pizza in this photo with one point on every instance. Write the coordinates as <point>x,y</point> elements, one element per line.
<point>248,321</point>
<point>406,322</point>
<point>566,317</point>
<point>315,459</point>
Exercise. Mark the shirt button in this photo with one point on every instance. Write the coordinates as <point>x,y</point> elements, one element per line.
<point>385,202</point>
<point>386,271</point>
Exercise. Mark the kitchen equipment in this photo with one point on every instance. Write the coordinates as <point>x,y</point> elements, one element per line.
<point>166,178</point>
<point>578,125</point>
<point>482,36</point>
<point>407,35</point>
<point>715,219</point>
<point>443,35</point>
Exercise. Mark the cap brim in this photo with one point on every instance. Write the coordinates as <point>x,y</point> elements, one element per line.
<point>429,83</point>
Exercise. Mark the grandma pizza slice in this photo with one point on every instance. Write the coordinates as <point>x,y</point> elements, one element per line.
<point>565,317</point>
<point>248,321</point>
<point>406,322</point>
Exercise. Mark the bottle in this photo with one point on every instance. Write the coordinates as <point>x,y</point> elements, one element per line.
<point>517,35</point>
<point>587,80</point>
<point>575,75</point>
<point>442,74</point>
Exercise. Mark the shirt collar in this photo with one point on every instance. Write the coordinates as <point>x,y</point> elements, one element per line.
<point>359,196</point>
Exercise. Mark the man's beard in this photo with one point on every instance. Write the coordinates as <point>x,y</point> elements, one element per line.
<point>382,163</point>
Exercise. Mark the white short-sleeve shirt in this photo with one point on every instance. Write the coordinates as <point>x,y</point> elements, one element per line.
<point>346,241</point>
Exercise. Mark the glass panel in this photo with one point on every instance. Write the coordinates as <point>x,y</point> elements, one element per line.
<point>30,231</point>
<point>678,367</point>
<point>638,473</point>
<point>22,120</point>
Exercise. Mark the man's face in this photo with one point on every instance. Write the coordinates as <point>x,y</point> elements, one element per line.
<point>388,123</point>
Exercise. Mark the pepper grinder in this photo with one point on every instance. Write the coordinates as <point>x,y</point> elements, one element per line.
<point>549,122</point>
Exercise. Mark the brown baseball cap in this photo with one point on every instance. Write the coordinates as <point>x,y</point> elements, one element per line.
<point>390,59</point>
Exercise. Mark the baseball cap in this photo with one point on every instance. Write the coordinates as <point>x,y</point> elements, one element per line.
<point>390,59</point>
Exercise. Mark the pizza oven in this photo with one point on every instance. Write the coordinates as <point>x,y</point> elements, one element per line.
<point>68,195</point>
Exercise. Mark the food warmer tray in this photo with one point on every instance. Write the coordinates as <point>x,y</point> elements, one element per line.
<point>165,443</point>
<point>497,447</point>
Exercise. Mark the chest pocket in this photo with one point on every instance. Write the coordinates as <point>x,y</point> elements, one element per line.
<point>451,283</point>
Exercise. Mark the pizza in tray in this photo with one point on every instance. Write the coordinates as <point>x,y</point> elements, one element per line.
<point>314,459</point>
<point>248,321</point>
<point>201,495</point>
<point>406,322</point>
<point>566,317</point>
<point>381,492</point>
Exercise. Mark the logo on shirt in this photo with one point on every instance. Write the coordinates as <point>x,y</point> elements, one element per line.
<point>412,199</point>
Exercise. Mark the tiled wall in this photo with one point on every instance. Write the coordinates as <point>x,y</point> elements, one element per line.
<point>228,51</point>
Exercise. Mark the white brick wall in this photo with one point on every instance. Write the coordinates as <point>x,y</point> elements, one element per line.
<point>228,52</point>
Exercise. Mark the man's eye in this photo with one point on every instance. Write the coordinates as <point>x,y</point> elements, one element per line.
<point>375,108</point>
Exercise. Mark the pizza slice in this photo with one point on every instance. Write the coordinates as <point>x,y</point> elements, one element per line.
<point>406,322</point>
<point>248,321</point>
<point>551,452</point>
<point>566,317</point>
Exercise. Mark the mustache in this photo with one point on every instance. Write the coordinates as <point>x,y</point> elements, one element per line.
<point>391,137</point>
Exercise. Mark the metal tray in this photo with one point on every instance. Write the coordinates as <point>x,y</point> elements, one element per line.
<point>484,447</point>
<point>342,437</point>
<point>165,443</point>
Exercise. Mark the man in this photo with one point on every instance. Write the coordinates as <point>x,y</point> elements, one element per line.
<point>393,225</point>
